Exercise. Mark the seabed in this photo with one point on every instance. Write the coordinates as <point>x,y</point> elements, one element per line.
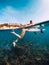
<point>24,56</point>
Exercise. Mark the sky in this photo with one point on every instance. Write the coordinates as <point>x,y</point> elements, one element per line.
<point>22,11</point>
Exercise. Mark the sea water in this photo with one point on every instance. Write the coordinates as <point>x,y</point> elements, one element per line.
<point>38,42</point>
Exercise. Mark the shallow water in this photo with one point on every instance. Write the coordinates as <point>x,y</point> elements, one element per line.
<point>37,48</point>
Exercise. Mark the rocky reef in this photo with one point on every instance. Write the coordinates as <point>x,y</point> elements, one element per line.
<point>24,55</point>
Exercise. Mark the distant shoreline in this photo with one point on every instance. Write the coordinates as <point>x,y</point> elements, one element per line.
<point>14,25</point>
<point>10,26</point>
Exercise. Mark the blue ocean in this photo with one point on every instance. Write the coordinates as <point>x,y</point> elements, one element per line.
<point>37,46</point>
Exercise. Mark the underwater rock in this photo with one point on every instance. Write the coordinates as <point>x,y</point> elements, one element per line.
<point>38,58</point>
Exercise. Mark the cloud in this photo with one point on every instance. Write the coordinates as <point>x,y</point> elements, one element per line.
<point>8,15</point>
